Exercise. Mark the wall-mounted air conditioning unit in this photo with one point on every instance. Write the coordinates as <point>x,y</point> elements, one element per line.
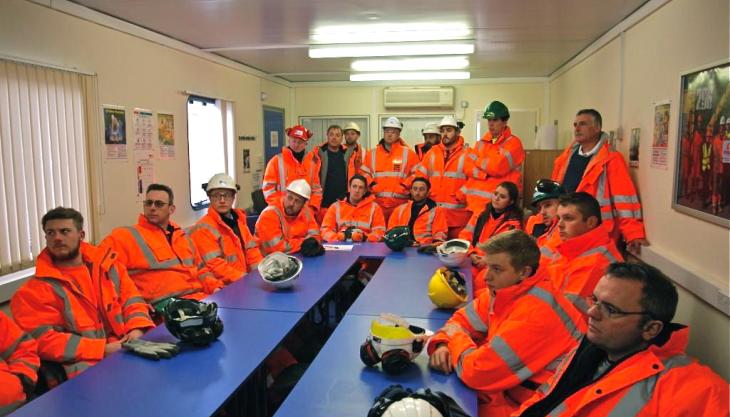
<point>418,97</point>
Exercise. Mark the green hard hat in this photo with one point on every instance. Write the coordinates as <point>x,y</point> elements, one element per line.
<point>546,189</point>
<point>398,238</point>
<point>496,110</point>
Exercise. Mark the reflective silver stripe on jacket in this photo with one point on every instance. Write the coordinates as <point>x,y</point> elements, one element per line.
<point>147,252</point>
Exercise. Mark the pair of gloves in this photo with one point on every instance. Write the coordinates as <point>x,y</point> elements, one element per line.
<point>151,350</point>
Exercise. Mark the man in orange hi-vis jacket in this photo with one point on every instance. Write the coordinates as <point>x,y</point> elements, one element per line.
<point>388,166</point>
<point>499,154</point>
<point>227,247</point>
<point>589,165</point>
<point>81,304</point>
<point>449,165</point>
<point>356,217</point>
<point>19,365</point>
<point>291,164</point>
<point>424,218</point>
<point>585,251</point>
<point>632,360</point>
<point>161,258</point>
<point>284,226</point>
<point>506,342</point>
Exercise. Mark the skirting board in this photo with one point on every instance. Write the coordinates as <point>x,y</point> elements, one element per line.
<point>703,289</point>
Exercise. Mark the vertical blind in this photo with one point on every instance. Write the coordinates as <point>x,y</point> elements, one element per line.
<point>43,161</point>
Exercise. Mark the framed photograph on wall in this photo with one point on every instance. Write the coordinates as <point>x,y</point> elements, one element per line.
<point>702,171</point>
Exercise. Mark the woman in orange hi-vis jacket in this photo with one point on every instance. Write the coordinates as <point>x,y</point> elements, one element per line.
<point>19,365</point>
<point>501,215</point>
<point>500,155</point>
<point>356,217</point>
<point>291,164</point>
<point>506,342</point>
<point>426,220</point>
<point>227,247</point>
<point>388,166</point>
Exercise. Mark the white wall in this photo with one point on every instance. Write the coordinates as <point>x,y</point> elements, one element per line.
<point>134,72</point>
<point>678,37</point>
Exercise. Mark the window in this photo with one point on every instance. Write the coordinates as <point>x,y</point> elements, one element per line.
<point>319,125</point>
<point>210,144</point>
<point>43,158</point>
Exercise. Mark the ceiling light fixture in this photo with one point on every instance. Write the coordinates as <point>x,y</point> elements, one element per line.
<point>391,49</point>
<point>389,32</point>
<point>411,64</point>
<point>411,76</point>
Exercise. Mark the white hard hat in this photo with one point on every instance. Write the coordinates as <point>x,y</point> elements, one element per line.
<point>300,188</point>
<point>431,127</point>
<point>722,120</point>
<point>221,181</point>
<point>352,126</point>
<point>393,122</point>
<point>453,252</point>
<point>412,407</point>
<point>449,121</point>
<point>280,270</point>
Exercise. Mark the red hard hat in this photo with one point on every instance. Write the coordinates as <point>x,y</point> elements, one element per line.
<point>299,132</point>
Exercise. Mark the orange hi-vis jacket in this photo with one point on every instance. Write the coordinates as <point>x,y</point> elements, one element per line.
<point>502,160</point>
<point>278,232</point>
<point>532,221</point>
<point>284,168</point>
<point>430,225</point>
<point>660,381</point>
<point>447,175</point>
<point>389,171</point>
<point>222,251</point>
<point>420,150</point>
<point>73,327</point>
<point>366,216</point>
<point>607,179</point>
<point>19,364</point>
<point>161,270</point>
<point>511,341</point>
<point>580,262</point>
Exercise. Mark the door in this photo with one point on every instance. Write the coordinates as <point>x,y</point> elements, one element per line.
<point>274,138</point>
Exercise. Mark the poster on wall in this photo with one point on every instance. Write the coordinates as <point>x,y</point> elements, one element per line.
<point>166,135</point>
<point>246,161</point>
<point>143,129</point>
<point>660,140</point>
<point>274,139</point>
<point>702,171</point>
<point>115,134</point>
<point>634,147</point>
<point>144,168</point>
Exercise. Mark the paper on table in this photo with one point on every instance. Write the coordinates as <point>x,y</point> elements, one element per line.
<point>345,248</point>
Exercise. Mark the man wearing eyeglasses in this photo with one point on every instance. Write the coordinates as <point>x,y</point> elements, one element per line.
<point>227,247</point>
<point>584,251</point>
<point>589,165</point>
<point>81,305</point>
<point>506,342</point>
<point>632,360</point>
<point>160,257</point>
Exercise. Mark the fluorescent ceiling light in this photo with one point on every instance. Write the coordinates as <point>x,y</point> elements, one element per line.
<point>405,76</point>
<point>393,49</point>
<point>389,32</point>
<point>411,64</point>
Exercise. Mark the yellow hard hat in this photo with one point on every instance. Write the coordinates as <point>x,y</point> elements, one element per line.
<point>447,288</point>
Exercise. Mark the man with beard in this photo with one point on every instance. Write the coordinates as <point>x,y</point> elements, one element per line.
<point>356,217</point>
<point>425,219</point>
<point>81,304</point>
<point>288,224</point>
<point>431,136</point>
<point>632,360</point>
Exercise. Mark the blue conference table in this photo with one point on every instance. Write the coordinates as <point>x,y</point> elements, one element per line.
<point>338,384</point>
<point>400,286</point>
<point>195,383</point>
<point>317,277</point>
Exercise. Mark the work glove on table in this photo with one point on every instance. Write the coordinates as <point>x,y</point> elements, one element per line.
<point>151,350</point>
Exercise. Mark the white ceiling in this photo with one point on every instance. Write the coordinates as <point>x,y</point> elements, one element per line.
<point>514,38</point>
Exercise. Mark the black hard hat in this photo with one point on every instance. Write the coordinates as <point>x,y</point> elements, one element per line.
<point>193,321</point>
